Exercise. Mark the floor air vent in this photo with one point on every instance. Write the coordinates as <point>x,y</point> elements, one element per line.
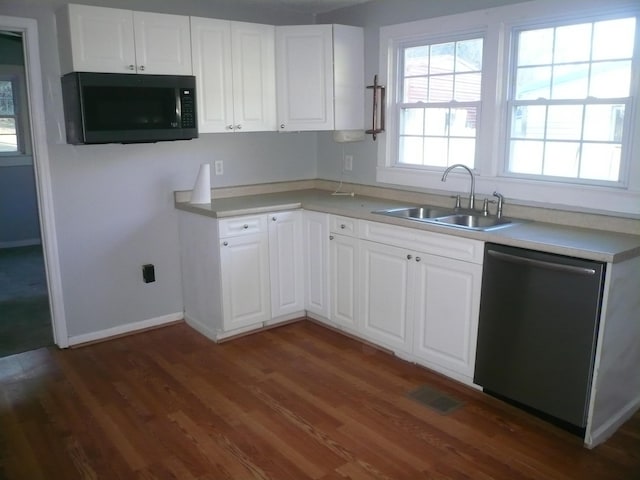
<point>435,399</point>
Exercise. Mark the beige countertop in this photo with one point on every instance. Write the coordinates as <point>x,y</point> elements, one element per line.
<point>586,243</point>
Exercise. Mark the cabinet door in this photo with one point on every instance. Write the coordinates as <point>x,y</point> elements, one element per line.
<point>101,39</point>
<point>286,263</point>
<point>245,280</point>
<point>304,74</point>
<point>343,278</point>
<point>446,310</point>
<point>163,43</point>
<point>316,255</point>
<point>254,77</point>
<point>211,47</point>
<point>384,293</point>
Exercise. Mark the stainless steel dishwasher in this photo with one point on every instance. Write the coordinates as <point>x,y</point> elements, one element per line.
<point>539,316</point>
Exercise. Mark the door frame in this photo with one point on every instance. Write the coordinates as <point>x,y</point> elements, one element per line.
<point>29,29</point>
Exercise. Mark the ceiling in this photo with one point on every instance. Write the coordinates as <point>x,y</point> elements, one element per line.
<point>310,6</point>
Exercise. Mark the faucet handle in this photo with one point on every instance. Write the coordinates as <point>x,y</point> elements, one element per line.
<point>500,203</point>
<point>457,197</point>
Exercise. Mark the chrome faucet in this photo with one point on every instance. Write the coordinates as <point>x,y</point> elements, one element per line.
<point>500,203</point>
<point>472,194</point>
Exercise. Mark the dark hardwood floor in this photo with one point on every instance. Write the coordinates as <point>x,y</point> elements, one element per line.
<point>296,402</point>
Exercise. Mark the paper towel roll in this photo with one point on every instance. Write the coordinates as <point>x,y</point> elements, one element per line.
<point>202,189</point>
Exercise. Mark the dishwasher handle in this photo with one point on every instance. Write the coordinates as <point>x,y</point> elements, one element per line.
<point>558,267</point>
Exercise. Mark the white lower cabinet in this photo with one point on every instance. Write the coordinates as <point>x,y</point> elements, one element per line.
<point>343,268</point>
<point>286,264</point>
<point>316,264</point>
<point>385,295</point>
<point>244,268</point>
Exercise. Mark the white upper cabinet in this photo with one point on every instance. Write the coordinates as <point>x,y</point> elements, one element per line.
<point>234,65</point>
<point>320,77</point>
<point>99,39</point>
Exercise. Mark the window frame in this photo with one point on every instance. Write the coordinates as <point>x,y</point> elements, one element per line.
<point>16,75</point>
<point>497,26</point>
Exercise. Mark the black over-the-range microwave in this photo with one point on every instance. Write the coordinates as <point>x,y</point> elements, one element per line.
<point>128,108</point>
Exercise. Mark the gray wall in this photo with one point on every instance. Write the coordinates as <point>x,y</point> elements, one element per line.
<point>113,203</point>
<point>372,16</point>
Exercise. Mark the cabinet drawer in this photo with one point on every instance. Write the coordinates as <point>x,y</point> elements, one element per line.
<point>450,246</point>
<point>343,225</point>
<point>246,225</point>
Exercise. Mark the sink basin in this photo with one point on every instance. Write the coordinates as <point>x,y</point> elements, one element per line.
<point>417,213</point>
<point>468,219</point>
<point>474,222</point>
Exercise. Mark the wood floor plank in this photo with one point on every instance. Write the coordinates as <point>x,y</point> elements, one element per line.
<point>296,402</point>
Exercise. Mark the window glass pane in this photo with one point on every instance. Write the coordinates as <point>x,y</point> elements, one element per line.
<point>441,88</point>
<point>526,157</point>
<point>416,90</point>
<point>416,61</point>
<point>564,122</point>
<point>6,98</point>
<point>528,121</point>
<point>570,81</point>
<point>469,55</point>
<point>610,79</point>
<point>436,152</point>
<point>561,159</point>
<point>8,135</point>
<point>533,83</point>
<point>462,150</point>
<point>462,122</point>
<point>411,150</point>
<point>604,123</point>
<point>600,161</point>
<point>436,121</point>
<point>467,88</point>
<point>535,47</point>
<point>442,58</point>
<point>613,39</point>
<point>573,43</point>
<point>412,121</point>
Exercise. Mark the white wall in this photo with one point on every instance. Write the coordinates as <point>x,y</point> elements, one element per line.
<point>113,203</point>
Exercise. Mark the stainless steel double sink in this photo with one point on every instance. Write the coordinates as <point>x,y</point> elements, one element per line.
<point>452,217</point>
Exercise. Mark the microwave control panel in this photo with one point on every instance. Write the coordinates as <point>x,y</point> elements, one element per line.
<point>188,108</point>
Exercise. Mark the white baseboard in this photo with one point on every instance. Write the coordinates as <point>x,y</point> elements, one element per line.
<point>21,243</point>
<point>607,429</point>
<point>125,329</point>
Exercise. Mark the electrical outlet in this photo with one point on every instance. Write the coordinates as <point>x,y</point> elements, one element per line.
<point>348,163</point>
<point>218,167</point>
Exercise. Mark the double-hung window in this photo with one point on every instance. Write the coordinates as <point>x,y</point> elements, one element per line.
<point>8,118</point>
<point>569,95</point>
<point>440,103</point>
<point>539,98</point>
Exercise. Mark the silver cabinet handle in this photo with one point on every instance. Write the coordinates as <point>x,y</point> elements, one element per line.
<point>229,127</point>
<point>245,226</point>
<point>282,125</point>
<point>409,257</point>
<point>343,226</point>
<point>330,237</point>
<point>273,219</point>
<point>141,68</point>
<point>131,67</point>
<point>238,127</point>
<point>418,259</point>
<point>225,243</point>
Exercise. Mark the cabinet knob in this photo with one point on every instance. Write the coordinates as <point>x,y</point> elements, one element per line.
<point>282,125</point>
<point>418,259</point>
<point>330,237</point>
<point>245,226</point>
<point>131,67</point>
<point>225,243</point>
<point>141,68</point>
<point>273,219</point>
<point>409,257</point>
<point>229,127</point>
<point>343,226</point>
<point>238,127</point>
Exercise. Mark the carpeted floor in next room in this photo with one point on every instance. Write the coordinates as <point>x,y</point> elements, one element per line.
<point>25,320</point>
